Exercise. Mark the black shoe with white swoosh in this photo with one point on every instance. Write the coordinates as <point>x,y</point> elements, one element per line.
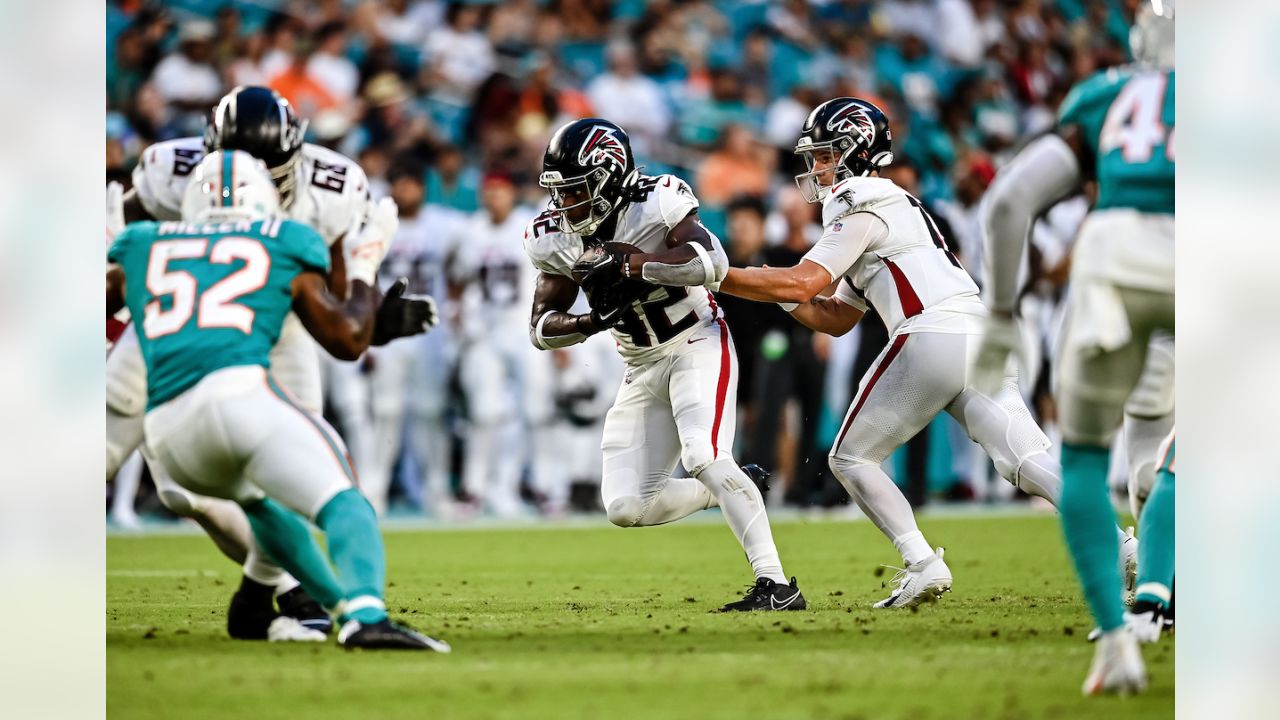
<point>769,595</point>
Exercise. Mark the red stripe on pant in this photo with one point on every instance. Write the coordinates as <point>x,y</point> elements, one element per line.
<point>722,388</point>
<point>911,305</point>
<point>894,349</point>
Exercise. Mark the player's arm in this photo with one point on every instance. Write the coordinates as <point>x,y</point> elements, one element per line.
<point>1047,170</point>
<point>829,315</point>
<point>551,325</point>
<point>343,328</point>
<point>693,257</point>
<point>115,290</point>
<point>843,242</point>
<point>134,210</point>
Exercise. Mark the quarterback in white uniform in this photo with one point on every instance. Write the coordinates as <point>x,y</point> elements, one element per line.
<point>318,187</point>
<point>880,249</point>
<point>505,381</point>
<point>678,398</point>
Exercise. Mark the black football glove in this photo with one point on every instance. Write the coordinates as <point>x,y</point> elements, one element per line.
<point>609,302</point>
<point>606,270</point>
<point>403,315</point>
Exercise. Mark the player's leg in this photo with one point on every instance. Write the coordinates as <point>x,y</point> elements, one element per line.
<point>126,394</point>
<point>640,446</point>
<point>125,492</point>
<point>702,387</point>
<point>482,376</point>
<point>388,395</point>
<point>429,434</point>
<point>1156,564</point>
<point>911,381</point>
<point>304,466</point>
<point>1148,419</point>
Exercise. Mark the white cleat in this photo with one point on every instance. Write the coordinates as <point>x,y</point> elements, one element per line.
<point>287,629</point>
<point>1117,665</point>
<point>924,581</point>
<point>1129,566</point>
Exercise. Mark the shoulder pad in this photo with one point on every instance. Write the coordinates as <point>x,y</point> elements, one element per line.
<point>1088,94</point>
<point>664,198</point>
<point>162,173</point>
<point>857,194</point>
<point>549,249</point>
<point>340,189</point>
<point>305,244</point>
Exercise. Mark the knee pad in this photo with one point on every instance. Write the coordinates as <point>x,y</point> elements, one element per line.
<point>180,501</point>
<point>696,455</point>
<point>845,468</point>
<point>625,511</point>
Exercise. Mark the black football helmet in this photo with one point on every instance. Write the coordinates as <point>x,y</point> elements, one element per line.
<point>260,122</point>
<point>588,167</point>
<point>855,136</point>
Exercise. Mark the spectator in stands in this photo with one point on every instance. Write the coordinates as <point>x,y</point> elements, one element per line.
<point>735,168</point>
<point>458,54</point>
<point>187,79</point>
<point>329,65</point>
<point>451,183</point>
<point>630,99</point>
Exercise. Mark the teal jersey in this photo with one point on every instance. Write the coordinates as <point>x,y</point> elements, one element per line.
<point>1126,118</point>
<point>210,296</point>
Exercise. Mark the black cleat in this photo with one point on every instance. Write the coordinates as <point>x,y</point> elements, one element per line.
<point>759,476</point>
<point>387,635</point>
<point>769,595</point>
<point>300,606</point>
<point>251,612</point>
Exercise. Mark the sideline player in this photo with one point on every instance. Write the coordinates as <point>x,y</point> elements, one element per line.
<point>1118,128</point>
<point>317,187</point>
<point>677,400</point>
<point>211,294</point>
<point>880,249</point>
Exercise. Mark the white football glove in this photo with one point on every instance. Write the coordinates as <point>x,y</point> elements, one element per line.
<point>1001,339</point>
<point>366,251</point>
<point>115,210</point>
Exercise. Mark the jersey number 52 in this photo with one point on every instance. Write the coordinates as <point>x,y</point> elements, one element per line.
<point>216,305</point>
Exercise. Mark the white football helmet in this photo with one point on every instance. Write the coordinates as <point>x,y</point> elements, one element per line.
<point>230,185</point>
<point>1151,37</point>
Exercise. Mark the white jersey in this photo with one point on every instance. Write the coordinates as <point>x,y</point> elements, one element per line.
<point>330,193</point>
<point>879,239</point>
<point>420,249</point>
<point>653,325</point>
<point>489,261</point>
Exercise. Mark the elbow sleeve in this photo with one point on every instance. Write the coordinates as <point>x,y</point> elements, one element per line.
<point>707,268</point>
<point>545,342</point>
<point>1044,172</point>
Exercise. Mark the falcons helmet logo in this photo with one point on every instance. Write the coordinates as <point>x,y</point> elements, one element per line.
<point>853,117</point>
<point>602,146</point>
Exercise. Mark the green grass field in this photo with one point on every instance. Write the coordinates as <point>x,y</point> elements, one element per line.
<point>604,623</point>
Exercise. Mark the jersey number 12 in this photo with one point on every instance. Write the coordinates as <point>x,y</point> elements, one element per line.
<point>217,306</point>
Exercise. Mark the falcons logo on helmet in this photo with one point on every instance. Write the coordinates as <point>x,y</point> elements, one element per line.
<point>602,146</point>
<point>853,117</point>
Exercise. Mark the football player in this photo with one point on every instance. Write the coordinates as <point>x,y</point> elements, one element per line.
<point>317,187</point>
<point>505,381</point>
<point>880,249</point>
<point>1117,128</point>
<point>677,402</point>
<point>211,294</point>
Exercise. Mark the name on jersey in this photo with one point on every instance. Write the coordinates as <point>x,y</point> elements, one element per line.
<point>183,228</point>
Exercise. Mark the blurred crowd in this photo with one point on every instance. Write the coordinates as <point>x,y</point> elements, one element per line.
<point>448,106</point>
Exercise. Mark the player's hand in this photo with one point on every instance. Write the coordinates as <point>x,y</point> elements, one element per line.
<point>403,315</point>
<point>115,209</point>
<point>604,271</point>
<point>366,251</point>
<point>1000,340</point>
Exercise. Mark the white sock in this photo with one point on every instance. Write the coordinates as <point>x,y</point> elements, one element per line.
<point>885,505</point>
<point>743,509</point>
<point>127,479</point>
<point>913,547</point>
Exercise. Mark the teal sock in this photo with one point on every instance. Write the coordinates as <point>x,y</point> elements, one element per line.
<point>1089,525</point>
<point>355,545</point>
<point>1155,551</point>
<point>287,540</point>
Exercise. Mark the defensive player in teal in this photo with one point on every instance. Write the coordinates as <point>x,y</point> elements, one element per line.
<point>1118,128</point>
<point>210,294</point>
<point>1152,609</point>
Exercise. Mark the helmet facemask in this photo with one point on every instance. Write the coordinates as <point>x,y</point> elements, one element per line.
<point>579,202</point>
<point>836,153</point>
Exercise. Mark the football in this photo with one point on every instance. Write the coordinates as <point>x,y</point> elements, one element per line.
<point>593,253</point>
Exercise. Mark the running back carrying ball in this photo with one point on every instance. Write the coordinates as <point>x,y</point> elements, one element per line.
<point>591,267</point>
